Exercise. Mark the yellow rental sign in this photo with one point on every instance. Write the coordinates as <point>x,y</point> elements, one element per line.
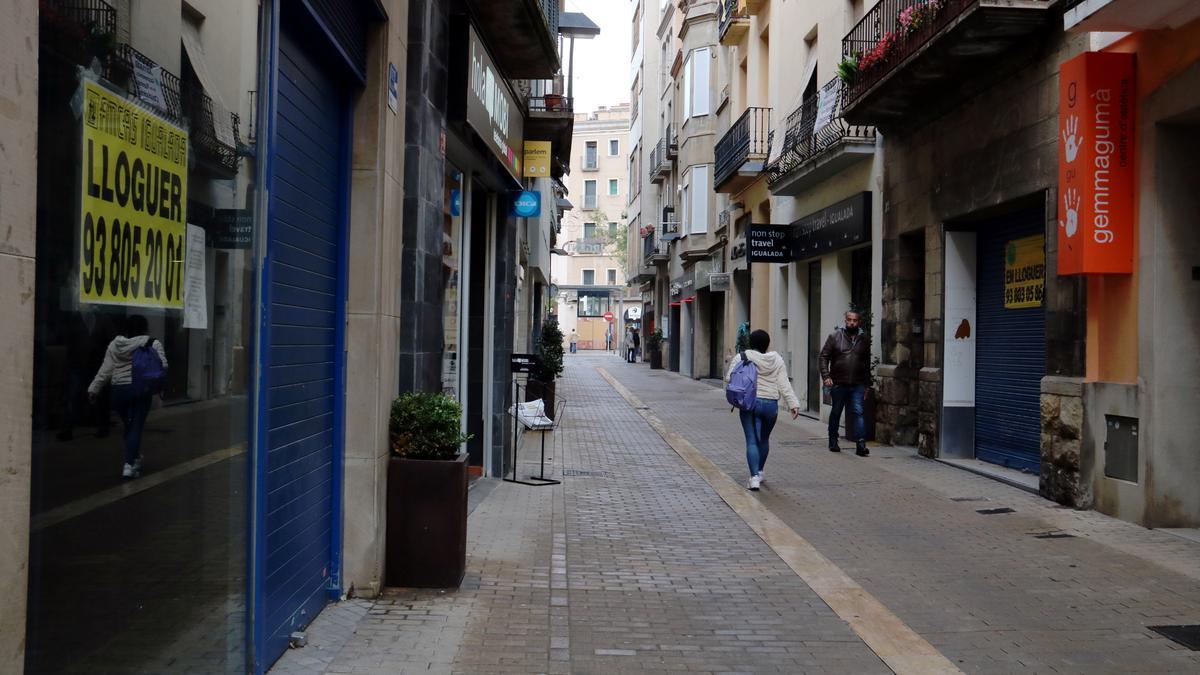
<point>1024,272</point>
<point>537,159</point>
<point>134,186</point>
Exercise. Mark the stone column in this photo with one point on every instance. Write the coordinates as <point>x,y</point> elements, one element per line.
<point>18,213</point>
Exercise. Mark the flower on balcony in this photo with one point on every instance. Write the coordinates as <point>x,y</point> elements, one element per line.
<point>879,53</point>
<point>913,17</point>
<point>646,230</point>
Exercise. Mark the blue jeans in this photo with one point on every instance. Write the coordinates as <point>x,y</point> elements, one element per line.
<point>757,425</point>
<point>853,395</point>
<point>133,410</point>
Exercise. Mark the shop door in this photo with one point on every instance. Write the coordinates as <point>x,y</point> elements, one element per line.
<point>303,385</point>
<point>1010,357</point>
<point>716,335</point>
<point>676,329</point>
<point>815,339</point>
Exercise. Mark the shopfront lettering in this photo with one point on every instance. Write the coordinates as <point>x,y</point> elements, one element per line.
<point>1096,183</point>
<point>846,223</point>
<point>492,109</point>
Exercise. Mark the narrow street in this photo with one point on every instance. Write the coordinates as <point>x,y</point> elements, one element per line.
<point>652,557</point>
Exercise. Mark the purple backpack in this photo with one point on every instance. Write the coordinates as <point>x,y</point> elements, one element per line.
<point>742,390</point>
<point>149,376</point>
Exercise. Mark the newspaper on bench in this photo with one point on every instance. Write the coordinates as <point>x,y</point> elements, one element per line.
<point>533,415</point>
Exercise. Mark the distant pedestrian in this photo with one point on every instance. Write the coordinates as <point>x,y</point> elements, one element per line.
<point>608,338</point>
<point>574,341</point>
<point>131,368</point>
<point>772,384</point>
<point>635,343</point>
<point>846,369</point>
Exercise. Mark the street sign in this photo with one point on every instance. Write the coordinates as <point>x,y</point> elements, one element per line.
<point>608,316</point>
<point>523,363</point>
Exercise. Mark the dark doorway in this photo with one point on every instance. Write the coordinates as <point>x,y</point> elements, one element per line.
<point>676,329</point>
<point>814,336</point>
<point>716,335</point>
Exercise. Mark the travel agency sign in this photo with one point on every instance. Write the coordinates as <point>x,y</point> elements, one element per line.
<point>1096,164</point>
<point>492,109</point>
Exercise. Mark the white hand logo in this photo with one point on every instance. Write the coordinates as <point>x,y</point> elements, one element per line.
<point>1072,138</point>
<point>1071,202</point>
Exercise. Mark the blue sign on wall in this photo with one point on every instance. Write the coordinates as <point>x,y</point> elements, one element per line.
<point>527,204</point>
<point>455,202</point>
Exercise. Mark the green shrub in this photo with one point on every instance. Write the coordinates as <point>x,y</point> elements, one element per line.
<point>549,352</point>
<point>425,426</point>
<point>654,340</point>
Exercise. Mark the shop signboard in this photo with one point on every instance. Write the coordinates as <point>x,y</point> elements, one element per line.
<point>537,159</point>
<point>769,243</point>
<point>718,282</point>
<point>232,228</point>
<point>492,108</point>
<point>134,201</point>
<point>1024,272</point>
<point>846,223</point>
<point>527,204</point>
<point>1096,151</point>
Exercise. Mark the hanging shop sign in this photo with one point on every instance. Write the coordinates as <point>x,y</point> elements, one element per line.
<point>526,204</point>
<point>232,228</point>
<point>134,197</point>
<point>769,243</point>
<point>492,109</point>
<point>1095,164</point>
<point>537,159</point>
<point>1024,272</point>
<point>846,223</point>
<point>719,282</point>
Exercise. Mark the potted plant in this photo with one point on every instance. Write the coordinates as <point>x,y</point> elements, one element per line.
<point>554,102</point>
<point>426,544</point>
<point>548,366</point>
<point>654,348</point>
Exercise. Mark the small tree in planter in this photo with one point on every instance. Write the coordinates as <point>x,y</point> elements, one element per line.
<point>654,348</point>
<point>549,353</point>
<point>426,543</point>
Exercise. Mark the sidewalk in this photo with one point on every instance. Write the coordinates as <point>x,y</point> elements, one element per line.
<point>637,564</point>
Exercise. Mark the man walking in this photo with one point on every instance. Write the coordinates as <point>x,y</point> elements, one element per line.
<point>846,370</point>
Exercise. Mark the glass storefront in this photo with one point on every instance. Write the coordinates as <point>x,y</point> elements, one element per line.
<point>452,219</point>
<point>146,266</point>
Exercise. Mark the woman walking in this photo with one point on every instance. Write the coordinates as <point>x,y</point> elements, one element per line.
<point>135,379</point>
<point>772,385</point>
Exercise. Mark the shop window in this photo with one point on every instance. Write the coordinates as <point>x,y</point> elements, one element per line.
<point>593,304</point>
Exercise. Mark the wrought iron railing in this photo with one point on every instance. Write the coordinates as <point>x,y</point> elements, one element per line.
<point>748,139</point>
<point>552,103</point>
<point>76,29</point>
<point>120,71</point>
<point>672,142</point>
<point>806,140</point>
<point>654,250</point>
<point>889,33</point>
<point>660,162</point>
<point>208,145</point>
<point>731,10</point>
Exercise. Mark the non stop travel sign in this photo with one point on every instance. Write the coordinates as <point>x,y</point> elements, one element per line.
<point>134,204</point>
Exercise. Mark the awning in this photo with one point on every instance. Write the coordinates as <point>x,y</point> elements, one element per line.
<point>222,120</point>
<point>577,24</point>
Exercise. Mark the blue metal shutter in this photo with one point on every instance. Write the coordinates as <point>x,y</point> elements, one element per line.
<point>303,383</point>
<point>1010,356</point>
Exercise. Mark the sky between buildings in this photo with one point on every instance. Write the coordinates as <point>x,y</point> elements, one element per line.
<point>602,64</point>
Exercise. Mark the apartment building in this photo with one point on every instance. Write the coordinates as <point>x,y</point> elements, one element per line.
<point>591,277</point>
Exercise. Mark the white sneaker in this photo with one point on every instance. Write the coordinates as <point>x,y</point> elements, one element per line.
<point>762,475</point>
<point>137,466</point>
<point>755,481</point>
<point>129,471</point>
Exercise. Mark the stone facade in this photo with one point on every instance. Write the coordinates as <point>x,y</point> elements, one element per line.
<point>1062,477</point>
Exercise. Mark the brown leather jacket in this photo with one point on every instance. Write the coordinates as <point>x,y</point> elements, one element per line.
<point>845,360</point>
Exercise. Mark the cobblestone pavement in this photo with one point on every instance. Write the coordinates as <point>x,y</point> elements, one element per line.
<point>635,564</point>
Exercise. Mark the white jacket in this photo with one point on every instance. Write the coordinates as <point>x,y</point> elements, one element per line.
<point>118,361</point>
<point>773,382</point>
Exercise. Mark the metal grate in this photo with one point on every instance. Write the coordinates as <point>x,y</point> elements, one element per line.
<point>1188,636</point>
<point>992,512</point>
<point>586,473</point>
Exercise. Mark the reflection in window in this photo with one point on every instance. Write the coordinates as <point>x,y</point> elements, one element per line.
<point>593,303</point>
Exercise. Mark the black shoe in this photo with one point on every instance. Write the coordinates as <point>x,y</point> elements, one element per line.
<point>862,450</point>
<point>833,445</point>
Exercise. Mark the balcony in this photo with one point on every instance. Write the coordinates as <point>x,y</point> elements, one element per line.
<point>1128,15</point>
<point>167,100</point>
<point>660,165</point>
<point>73,29</point>
<point>670,230</point>
<point>521,34</point>
<point>551,117</point>
<point>912,59</point>
<point>215,154</point>
<point>654,251</point>
<point>672,142</point>
<point>819,143</point>
<point>742,151</point>
<point>734,21</point>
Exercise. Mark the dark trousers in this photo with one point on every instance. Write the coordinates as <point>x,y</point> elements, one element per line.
<point>850,397</point>
<point>133,411</point>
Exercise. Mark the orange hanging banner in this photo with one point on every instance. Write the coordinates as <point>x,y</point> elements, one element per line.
<point>1096,150</point>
